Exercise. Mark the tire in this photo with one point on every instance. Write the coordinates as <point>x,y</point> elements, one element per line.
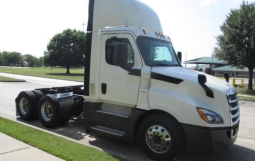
<point>39,94</point>
<point>48,111</point>
<point>161,137</point>
<point>26,105</point>
<point>43,90</point>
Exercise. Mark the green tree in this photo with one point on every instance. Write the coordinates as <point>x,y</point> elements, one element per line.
<point>66,49</point>
<point>10,58</point>
<point>31,60</point>
<point>22,60</point>
<point>40,61</point>
<point>15,58</point>
<point>1,59</point>
<point>236,45</point>
<point>46,58</point>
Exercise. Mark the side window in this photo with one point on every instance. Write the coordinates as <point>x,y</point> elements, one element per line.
<point>119,52</point>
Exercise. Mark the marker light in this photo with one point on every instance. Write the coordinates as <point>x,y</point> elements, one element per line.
<point>163,36</point>
<point>209,116</point>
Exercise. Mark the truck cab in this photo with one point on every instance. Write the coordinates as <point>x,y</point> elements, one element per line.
<point>138,88</point>
<point>135,89</point>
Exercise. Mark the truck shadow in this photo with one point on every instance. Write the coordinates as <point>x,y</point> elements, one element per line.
<point>75,131</point>
<point>234,153</point>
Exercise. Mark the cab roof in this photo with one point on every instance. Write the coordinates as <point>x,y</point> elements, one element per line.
<point>124,13</point>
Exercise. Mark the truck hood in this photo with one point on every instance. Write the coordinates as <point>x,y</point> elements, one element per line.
<point>191,76</point>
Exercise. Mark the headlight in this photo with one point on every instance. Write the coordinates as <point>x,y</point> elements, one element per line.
<point>209,116</point>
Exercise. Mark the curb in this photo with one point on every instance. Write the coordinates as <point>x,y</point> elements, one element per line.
<point>13,81</point>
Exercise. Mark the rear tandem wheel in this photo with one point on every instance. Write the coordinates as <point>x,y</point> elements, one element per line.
<point>26,105</point>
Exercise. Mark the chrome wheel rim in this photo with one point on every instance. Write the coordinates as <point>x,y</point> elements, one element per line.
<point>158,139</point>
<point>23,106</point>
<point>46,111</point>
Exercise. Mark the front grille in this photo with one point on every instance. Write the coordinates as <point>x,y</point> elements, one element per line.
<point>233,106</point>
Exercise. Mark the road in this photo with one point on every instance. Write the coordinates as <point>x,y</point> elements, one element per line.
<point>242,150</point>
<point>9,91</point>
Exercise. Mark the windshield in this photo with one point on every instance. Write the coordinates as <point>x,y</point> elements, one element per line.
<point>157,52</point>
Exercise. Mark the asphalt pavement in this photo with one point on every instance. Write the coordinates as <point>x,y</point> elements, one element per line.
<point>243,149</point>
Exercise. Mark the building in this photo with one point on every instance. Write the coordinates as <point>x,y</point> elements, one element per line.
<point>232,71</point>
<point>205,64</point>
<point>216,67</point>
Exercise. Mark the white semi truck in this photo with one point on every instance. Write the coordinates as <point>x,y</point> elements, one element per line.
<point>136,89</point>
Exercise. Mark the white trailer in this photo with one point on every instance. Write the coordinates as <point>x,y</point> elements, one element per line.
<point>136,89</point>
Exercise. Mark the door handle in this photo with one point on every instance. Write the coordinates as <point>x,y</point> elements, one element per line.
<point>103,88</point>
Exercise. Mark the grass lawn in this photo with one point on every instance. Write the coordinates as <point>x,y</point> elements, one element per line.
<point>47,72</point>
<point>54,145</point>
<point>243,91</point>
<point>246,98</point>
<point>7,79</point>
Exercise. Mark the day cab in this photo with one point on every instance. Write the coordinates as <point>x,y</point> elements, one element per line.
<point>135,86</point>
<point>135,89</point>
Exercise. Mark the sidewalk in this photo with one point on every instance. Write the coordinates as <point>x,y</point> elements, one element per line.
<point>13,150</point>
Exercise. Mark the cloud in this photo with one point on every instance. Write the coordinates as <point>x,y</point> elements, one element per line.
<point>207,2</point>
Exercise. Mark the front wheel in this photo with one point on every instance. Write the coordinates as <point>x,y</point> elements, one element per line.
<point>160,137</point>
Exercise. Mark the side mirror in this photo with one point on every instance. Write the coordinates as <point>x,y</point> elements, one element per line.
<point>179,54</point>
<point>202,79</point>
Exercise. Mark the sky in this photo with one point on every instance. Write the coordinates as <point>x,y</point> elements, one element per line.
<point>27,26</point>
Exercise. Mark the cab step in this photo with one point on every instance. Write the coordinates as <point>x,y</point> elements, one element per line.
<point>102,129</point>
